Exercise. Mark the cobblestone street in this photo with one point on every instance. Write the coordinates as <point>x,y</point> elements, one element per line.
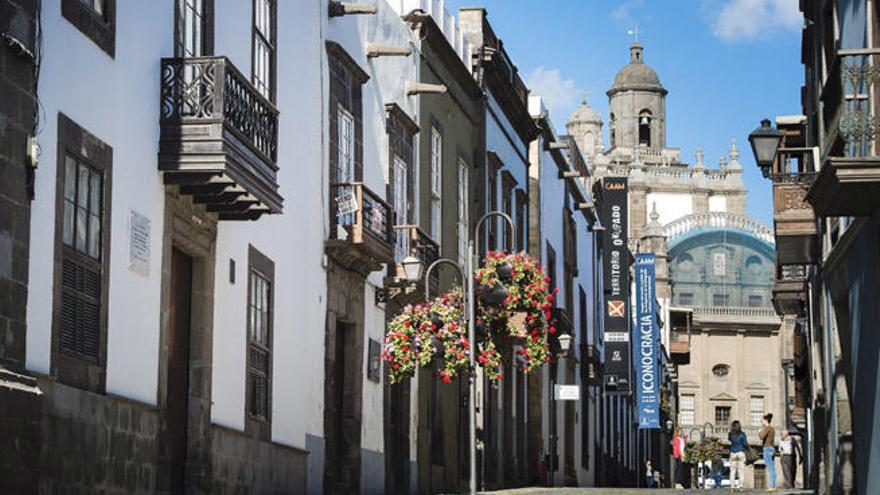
<point>630,491</point>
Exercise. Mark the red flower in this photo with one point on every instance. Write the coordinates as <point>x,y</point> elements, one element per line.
<point>406,323</point>
<point>547,279</point>
<point>499,376</point>
<point>446,379</point>
<point>556,290</point>
<point>552,330</point>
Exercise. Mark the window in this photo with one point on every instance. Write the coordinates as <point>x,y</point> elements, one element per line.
<point>261,272</point>
<point>436,182</point>
<point>264,48</point>
<point>645,128</point>
<point>756,301</point>
<point>756,409</point>
<point>81,252</point>
<point>192,33</point>
<point>345,168</point>
<point>612,130</point>
<point>522,231</point>
<point>551,272</point>
<point>686,415</point>
<point>686,298</point>
<point>96,19</point>
<point>507,184</point>
<point>720,299</point>
<point>722,415</point>
<point>401,239</point>
<point>492,202</point>
<point>462,211</point>
<point>721,370</point>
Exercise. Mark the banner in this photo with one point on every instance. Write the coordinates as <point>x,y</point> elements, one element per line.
<point>615,275</point>
<point>646,335</point>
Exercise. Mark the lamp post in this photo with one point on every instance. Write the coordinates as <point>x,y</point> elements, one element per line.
<point>765,141</point>
<point>564,341</point>
<point>467,274</point>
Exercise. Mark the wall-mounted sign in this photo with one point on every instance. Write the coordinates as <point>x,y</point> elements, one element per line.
<point>138,243</point>
<point>646,336</point>
<point>567,392</point>
<point>346,203</point>
<point>615,266</point>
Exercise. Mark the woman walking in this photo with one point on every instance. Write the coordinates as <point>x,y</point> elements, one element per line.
<point>768,439</point>
<point>739,443</point>
<point>789,452</point>
<point>678,444</point>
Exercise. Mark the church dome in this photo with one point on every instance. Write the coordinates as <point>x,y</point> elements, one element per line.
<point>584,114</point>
<point>636,75</point>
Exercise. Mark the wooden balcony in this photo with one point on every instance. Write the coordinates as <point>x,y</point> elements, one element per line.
<point>849,181</point>
<point>847,186</point>
<point>790,290</point>
<point>797,234</point>
<point>218,138</point>
<point>361,236</point>
<point>681,321</point>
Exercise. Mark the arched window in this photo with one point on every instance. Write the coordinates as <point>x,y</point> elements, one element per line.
<point>645,128</point>
<point>612,126</point>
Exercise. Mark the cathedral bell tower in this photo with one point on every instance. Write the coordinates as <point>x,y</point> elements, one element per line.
<point>638,105</point>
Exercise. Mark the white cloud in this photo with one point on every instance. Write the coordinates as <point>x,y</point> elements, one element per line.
<point>560,95</point>
<point>627,12</point>
<point>747,20</point>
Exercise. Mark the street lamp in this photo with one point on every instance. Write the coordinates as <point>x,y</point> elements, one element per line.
<point>564,343</point>
<point>765,141</point>
<point>467,274</point>
<point>669,425</point>
<point>412,269</point>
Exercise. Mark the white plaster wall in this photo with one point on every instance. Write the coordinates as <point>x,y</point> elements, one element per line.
<point>717,202</point>
<point>670,206</point>
<point>116,99</point>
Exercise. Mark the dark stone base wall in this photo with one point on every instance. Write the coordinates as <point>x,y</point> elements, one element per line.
<point>243,464</point>
<point>94,442</point>
<point>20,436</point>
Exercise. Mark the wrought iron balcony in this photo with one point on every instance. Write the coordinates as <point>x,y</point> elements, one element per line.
<point>218,138</point>
<point>790,289</point>
<point>361,236</point>
<point>849,181</point>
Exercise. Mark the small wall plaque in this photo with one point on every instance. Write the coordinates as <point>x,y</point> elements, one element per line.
<point>138,243</point>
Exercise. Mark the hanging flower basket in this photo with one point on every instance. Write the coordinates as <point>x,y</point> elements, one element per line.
<point>428,333</point>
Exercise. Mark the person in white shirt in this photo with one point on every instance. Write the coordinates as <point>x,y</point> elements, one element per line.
<point>790,451</point>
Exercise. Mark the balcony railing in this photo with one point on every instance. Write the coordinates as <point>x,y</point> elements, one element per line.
<point>219,137</point>
<point>849,181</point>
<point>790,289</point>
<point>793,218</point>
<point>361,234</point>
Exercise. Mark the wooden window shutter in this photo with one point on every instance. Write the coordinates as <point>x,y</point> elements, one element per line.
<point>80,323</point>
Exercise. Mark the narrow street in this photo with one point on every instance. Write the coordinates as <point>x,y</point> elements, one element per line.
<point>630,491</point>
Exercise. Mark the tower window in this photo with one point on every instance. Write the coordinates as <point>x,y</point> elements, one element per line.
<point>645,128</point>
<point>612,128</point>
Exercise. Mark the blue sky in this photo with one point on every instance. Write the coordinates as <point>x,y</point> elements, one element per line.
<point>726,64</point>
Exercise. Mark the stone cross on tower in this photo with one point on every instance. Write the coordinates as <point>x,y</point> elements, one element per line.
<point>634,32</point>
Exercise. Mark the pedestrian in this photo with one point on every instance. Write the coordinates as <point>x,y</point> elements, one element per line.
<point>790,452</point>
<point>768,440</point>
<point>739,443</point>
<point>678,445</point>
<point>649,474</point>
<point>717,470</point>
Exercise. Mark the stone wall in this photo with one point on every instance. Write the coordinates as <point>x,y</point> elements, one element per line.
<point>97,442</point>
<point>17,20</point>
<point>242,464</point>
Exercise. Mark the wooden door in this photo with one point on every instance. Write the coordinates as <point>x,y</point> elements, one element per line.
<point>178,366</point>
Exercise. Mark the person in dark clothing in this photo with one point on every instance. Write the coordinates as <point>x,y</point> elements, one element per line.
<point>739,443</point>
<point>717,470</point>
<point>790,452</point>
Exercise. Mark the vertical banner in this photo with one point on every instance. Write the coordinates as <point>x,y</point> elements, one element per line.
<point>615,265</point>
<point>645,337</point>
